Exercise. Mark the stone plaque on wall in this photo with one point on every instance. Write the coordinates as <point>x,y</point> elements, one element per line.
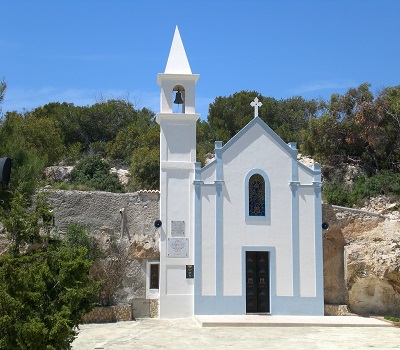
<point>178,228</point>
<point>178,247</point>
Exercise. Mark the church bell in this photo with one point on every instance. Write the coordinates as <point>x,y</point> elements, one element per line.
<point>178,98</point>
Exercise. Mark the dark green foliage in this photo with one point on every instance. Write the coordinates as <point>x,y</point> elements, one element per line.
<point>78,236</point>
<point>94,172</point>
<point>23,226</point>
<point>27,160</point>
<point>384,183</point>
<point>287,117</point>
<point>43,296</point>
<point>45,291</point>
<point>139,133</point>
<point>356,126</point>
<point>145,169</point>
<point>391,318</point>
<point>205,139</point>
<point>337,194</point>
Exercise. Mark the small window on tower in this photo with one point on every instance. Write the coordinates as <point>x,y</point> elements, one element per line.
<point>154,276</point>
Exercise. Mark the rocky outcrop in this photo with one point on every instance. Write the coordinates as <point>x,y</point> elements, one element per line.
<point>58,173</point>
<point>123,175</point>
<point>62,173</point>
<point>362,261</point>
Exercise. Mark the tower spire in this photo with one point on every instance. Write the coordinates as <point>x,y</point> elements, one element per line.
<point>177,60</point>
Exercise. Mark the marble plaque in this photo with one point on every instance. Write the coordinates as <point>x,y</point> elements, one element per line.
<point>178,228</point>
<point>178,247</point>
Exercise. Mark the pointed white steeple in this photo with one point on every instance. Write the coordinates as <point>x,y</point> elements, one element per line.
<point>177,60</point>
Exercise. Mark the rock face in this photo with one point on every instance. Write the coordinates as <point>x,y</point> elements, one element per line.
<point>58,173</point>
<point>362,261</point>
<point>123,175</point>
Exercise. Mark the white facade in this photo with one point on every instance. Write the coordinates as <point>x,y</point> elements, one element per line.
<point>244,262</point>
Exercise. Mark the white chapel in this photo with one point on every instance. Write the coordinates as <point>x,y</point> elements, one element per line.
<point>243,234</point>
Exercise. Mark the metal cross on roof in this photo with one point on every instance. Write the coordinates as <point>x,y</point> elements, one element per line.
<point>256,104</point>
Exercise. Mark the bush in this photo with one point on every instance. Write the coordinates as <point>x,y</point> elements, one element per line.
<point>44,293</point>
<point>78,235</point>
<point>43,297</point>
<point>384,183</point>
<point>336,193</point>
<point>94,172</point>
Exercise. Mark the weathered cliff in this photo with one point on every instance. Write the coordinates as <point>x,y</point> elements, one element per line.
<point>362,261</point>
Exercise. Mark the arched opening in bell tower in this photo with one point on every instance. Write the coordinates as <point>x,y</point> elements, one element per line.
<point>178,99</point>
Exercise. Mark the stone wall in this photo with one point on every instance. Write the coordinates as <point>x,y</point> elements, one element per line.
<point>127,218</point>
<point>361,249</point>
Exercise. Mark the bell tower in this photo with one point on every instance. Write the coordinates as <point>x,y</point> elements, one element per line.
<point>177,120</point>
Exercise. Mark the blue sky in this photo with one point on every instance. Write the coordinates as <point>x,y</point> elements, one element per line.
<point>84,51</point>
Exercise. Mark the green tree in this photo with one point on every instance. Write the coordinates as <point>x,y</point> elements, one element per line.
<point>137,134</point>
<point>287,117</point>
<point>44,290</point>
<point>145,169</point>
<point>43,297</point>
<point>291,116</point>
<point>43,135</point>
<point>205,138</point>
<point>145,161</point>
<point>28,163</point>
<point>227,115</point>
<point>22,226</point>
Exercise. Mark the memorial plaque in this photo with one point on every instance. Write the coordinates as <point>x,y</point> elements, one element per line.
<point>178,247</point>
<point>189,271</point>
<point>178,228</point>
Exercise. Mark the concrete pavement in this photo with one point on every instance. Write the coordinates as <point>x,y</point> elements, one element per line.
<point>188,334</point>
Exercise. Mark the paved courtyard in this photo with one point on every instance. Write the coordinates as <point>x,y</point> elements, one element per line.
<point>188,334</point>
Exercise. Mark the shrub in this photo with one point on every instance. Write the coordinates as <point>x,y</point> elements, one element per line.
<point>94,172</point>
<point>336,193</point>
<point>43,297</point>
<point>383,183</point>
<point>44,293</point>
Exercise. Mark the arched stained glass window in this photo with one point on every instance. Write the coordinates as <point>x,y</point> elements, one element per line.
<point>256,195</point>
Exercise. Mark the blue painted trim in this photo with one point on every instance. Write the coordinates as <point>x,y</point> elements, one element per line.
<point>295,169</point>
<point>219,219</point>
<point>267,216</point>
<point>295,241</point>
<point>219,245</point>
<point>280,305</point>
<point>236,305</point>
<point>197,242</point>
<point>218,157</point>
<point>209,165</point>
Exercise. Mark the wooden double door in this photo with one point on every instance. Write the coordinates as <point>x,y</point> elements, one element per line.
<point>257,282</point>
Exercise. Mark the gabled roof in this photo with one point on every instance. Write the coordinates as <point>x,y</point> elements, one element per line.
<point>177,60</point>
<point>258,121</point>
